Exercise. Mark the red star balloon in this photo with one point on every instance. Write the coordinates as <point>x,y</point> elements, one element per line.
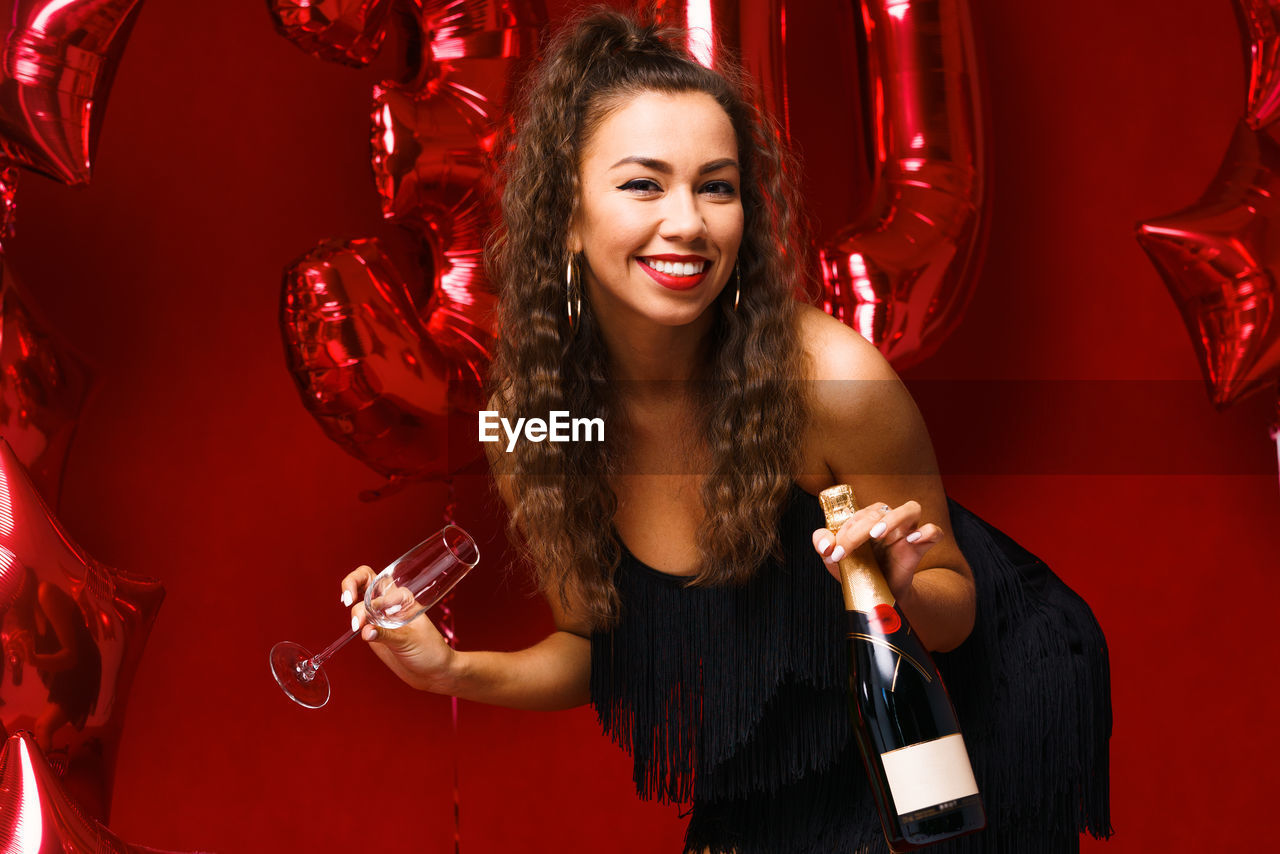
<point>73,630</point>
<point>349,32</point>
<point>902,274</point>
<point>1259,22</point>
<point>1220,259</point>
<point>43,386</point>
<point>59,59</point>
<point>38,816</point>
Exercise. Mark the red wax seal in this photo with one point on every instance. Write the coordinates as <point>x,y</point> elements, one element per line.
<point>886,619</point>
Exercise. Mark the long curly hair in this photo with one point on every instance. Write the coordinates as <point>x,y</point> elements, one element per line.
<point>750,405</point>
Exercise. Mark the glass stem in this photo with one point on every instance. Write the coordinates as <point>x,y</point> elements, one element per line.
<point>307,669</point>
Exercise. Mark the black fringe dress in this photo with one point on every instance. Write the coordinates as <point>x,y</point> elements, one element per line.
<point>735,700</point>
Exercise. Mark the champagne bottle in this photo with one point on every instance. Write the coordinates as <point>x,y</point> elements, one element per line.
<point>902,717</point>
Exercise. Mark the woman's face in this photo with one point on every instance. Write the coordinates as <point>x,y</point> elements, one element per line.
<point>660,186</point>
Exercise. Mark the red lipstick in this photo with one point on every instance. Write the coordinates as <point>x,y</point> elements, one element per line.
<point>675,283</point>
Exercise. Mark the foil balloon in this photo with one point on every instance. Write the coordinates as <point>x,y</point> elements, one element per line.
<point>8,202</point>
<point>754,32</point>
<point>348,32</point>
<point>902,273</point>
<point>38,816</point>
<point>1259,21</point>
<point>345,305</point>
<point>72,631</point>
<point>367,368</point>
<point>43,387</point>
<point>430,162</point>
<point>59,61</point>
<point>1219,260</point>
<point>432,143</point>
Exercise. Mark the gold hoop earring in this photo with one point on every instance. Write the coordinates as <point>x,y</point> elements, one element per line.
<point>737,291</point>
<point>570,296</point>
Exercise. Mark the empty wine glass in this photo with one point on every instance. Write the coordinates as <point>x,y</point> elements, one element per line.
<point>409,586</point>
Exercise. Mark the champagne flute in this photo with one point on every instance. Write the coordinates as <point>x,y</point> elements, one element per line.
<point>406,589</point>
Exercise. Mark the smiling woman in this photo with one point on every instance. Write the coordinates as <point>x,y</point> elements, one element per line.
<point>648,262</point>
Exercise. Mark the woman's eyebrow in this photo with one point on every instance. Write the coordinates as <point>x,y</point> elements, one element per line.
<point>665,168</point>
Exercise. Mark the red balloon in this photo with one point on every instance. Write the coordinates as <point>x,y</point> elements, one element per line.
<point>73,631</point>
<point>38,816</point>
<point>368,369</point>
<point>1260,22</point>
<point>1220,259</point>
<point>753,31</point>
<point>43,386</point>
<point>349,32</point>
<point>486,29</point>
<point>8,206</point>
<point>345,303</point>
<point>903,272</point>
<point>59,60</point>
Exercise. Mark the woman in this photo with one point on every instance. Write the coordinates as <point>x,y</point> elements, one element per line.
<point>648,260</point>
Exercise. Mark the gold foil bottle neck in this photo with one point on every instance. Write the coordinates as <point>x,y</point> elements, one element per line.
<point>861,579</point>
<point>838,504</point>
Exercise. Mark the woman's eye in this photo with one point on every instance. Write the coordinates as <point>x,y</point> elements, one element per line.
<point>643,184</point>
<point>720,188</point>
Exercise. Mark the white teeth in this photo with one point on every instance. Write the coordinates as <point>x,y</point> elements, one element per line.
<point>676,268</point>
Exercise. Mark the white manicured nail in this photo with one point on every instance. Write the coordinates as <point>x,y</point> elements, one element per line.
<point>347,598</point>
<point>878,529</point>
<point>837,553</point>
<point>911,538</point>
<point>355,623</point>
<point>392,611</point>
<point>824,544</point>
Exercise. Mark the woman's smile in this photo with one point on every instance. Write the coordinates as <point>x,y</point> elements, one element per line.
<point>674,272</point>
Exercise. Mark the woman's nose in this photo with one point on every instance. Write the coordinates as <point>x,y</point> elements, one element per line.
<point>682,219</point>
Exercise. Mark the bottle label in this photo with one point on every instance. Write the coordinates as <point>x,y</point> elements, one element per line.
<point>929,773</point>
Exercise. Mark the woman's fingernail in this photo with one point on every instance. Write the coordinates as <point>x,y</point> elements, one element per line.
<point>911,538</point>
<point>837,553</point>
<point>369,633</point>
<point>392,611</point>
<point>824,544</point>
<point>878,529</point>
<point>347,598</point>
<point>355,624</point>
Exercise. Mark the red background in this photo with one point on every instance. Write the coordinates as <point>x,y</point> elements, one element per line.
<point>227,152</point>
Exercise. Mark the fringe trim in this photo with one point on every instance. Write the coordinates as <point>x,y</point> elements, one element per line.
<point>735,699</point>
<point>652,691</point>
<point>1032,689</point>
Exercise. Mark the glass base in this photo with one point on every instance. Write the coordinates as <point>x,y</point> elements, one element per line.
<point>287,659</point>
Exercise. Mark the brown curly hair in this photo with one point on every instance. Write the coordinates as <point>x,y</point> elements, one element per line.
<point>749,400</point>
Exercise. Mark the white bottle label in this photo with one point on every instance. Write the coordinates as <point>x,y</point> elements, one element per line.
<point>929,773</point>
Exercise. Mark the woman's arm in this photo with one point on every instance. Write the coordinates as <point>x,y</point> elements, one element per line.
<point>552,674</point>
<point>872,437</point>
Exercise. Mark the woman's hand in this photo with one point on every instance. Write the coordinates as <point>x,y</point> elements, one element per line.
<point>896,536</point>
<point>416,652</point>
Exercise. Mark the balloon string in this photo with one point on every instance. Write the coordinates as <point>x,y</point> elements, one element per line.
<point>449,631</point>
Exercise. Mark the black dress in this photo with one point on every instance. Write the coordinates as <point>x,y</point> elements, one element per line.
<point>735,700</point>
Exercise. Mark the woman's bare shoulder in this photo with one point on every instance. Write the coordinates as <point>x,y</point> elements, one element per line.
<point>836,353</point>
